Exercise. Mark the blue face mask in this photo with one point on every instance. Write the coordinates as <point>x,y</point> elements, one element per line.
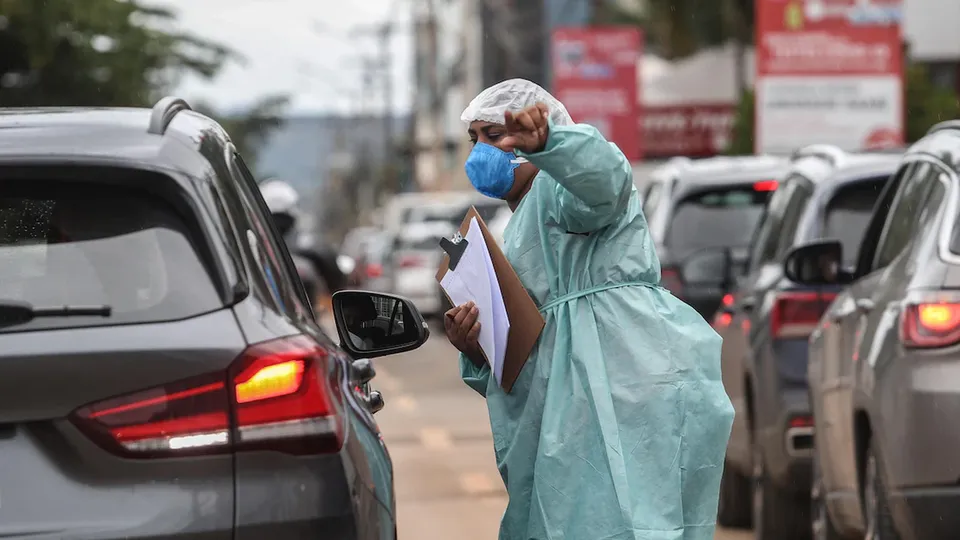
<point>490,170</point>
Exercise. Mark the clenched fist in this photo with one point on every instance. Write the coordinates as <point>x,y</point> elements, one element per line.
<point>527,130</point>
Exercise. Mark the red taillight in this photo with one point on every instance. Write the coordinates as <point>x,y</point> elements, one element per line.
<point>801,422</point>
<point>410,262</point>
<point>670,280</point>
<point>374,270</point>
<point>722,319</point>
<point>279,395</point>
<point>727,300</point>
<point>928,325</point>
<point>796,314</point>
<point>766,185</point>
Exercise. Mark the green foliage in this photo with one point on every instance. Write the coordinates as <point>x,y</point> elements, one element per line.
<point>679,28</point>
<point>250,129</point>
<point>741,142</point>
<point>95,53</point>
<point>926,103</point>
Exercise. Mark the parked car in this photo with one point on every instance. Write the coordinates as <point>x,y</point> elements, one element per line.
<point>162,374</point>
<point>702,215</point>
<point>416,259</point>
<point>883,372</point>
<point>765,323</point>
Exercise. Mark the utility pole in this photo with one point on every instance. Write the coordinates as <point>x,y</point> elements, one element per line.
<point>437,98</point>
<point>386,64</point>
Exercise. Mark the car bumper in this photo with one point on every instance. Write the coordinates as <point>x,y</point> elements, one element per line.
<point>788,450</point>
<point>932,512</point>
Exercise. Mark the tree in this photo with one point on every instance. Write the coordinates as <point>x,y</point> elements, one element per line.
<point>95,53</point>
<point>926,103</point>
<point>249,130</point>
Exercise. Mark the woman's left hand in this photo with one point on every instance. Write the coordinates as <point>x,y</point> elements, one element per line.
<point>527,130</point>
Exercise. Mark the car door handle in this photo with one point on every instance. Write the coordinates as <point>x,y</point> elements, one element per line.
<point>865,305</point>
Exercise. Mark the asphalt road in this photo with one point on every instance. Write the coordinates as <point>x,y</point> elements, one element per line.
<point>438,434</point>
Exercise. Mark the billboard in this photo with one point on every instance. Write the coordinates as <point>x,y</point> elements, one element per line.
<point>694,130</point>
<point>828,71</point>
<point>595,77</point>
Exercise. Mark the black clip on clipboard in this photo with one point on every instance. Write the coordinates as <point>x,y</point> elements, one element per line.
<point>454,249</point>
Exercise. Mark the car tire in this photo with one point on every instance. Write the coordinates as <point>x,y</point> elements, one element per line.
<point>821,526</point>
<point>735,491</point>
<point>777,514</point>
<point>879,521</point>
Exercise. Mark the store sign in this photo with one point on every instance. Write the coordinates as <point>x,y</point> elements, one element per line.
<point>828,71</point>
<point>687,130</point>
<point>595,77</point>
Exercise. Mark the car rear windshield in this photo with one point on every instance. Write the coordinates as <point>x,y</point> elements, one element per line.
<point>89,244</point>
<point>717,218</point>
<point>848,213</point>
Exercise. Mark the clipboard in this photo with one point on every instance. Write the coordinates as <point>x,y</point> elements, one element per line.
<point>526,322</point>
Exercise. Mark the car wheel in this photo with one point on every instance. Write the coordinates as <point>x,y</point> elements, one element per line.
<point>879,522</point>
<point>777,514</point>
<point>820,525</point>
<point>734,510</point>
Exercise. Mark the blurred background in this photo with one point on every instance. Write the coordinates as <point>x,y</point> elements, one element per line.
<point>358,109</point>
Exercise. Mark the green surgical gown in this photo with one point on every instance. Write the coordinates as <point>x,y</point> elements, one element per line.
<point>617,426</point>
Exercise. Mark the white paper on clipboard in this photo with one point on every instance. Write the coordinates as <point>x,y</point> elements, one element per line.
<point>474,280</point>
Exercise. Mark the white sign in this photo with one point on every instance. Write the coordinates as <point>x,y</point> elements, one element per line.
<point>854,113</point>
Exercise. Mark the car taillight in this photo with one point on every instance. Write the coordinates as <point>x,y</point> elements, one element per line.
<point>279,395</point>
<point>410,262</point>
<point>766,185</point>
<point>374,270</point>
<point>796,314</point>
<point>722,319</point>
<point>929,325</point>
<point>670,280</point>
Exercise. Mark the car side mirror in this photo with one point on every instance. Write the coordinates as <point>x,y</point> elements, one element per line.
<point>818,263</point>
<point>373,324</point>
<point>710,267</point>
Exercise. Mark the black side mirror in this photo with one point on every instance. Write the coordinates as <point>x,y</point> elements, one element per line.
<point>710,267</point>
<point>818,263</point>
<point>374,324</point>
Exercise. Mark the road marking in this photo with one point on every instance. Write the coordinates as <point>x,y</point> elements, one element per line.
<point>477,483</point>
<point>406,403</point>
<point>433,438</point>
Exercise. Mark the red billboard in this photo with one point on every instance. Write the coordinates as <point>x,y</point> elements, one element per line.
<point>694,130</point>
<point>595,77</point>
<point>828,71</point>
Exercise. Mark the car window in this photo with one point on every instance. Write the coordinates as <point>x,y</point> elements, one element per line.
<point>764,244</point>
<point>903,219</point>
<point>87,244</point>
<point>651,199</point>
<point>268,248</point>
<point>793,213</point>
<point>848,213</point>
<point>724,217</point>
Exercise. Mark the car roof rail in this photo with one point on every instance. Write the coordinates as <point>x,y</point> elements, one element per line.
<point>163,113</point>
<point>945,125</point>
<point>829,152</point>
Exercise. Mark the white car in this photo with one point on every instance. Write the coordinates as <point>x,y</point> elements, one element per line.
<point>416,259</point>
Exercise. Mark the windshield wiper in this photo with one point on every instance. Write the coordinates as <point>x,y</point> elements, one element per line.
<point>13,313</point>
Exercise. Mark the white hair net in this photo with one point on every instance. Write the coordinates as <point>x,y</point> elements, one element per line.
<point>513,95</point>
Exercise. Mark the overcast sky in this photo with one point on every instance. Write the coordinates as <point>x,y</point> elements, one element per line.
<point>298,47</point>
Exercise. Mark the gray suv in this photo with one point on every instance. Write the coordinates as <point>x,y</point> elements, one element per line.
<point>162,374</point>
<point>883,367</point>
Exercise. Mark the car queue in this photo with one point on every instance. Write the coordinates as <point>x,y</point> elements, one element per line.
<point>841,329</point>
